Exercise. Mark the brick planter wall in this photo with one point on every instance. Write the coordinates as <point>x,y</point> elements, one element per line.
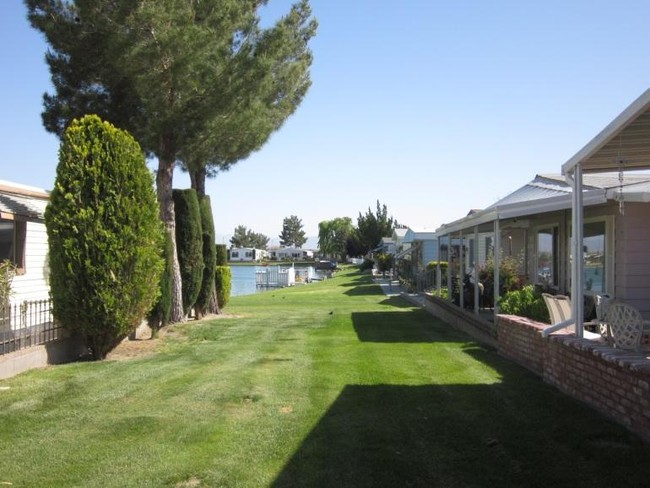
<point>613,381</point>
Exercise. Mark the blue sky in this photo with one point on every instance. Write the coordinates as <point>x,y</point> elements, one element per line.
<point>432,107</point>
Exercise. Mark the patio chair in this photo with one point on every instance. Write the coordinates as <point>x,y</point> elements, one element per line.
<point>559,307</point>
<point>625,326</point>
<point>602,304</point>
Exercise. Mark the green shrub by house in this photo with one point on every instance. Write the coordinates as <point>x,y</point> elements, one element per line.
<point>189,244</point>
<point>527,302</point>
<point>104,235</point>
<point>161,312</point>
<point>223,282</point>
<point>202,305</point>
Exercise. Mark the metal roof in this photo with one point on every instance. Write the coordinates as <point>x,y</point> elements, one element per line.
<point>626,138</point>
<point>550,192</point>
<point>418,234</point>
<point>22,201</point>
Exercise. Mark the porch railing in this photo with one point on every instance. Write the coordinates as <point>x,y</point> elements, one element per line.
<point>27,324</point>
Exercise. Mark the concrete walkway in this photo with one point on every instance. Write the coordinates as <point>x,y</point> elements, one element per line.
<point>392,288</point>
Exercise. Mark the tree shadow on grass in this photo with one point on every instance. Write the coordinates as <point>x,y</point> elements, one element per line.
<point>364,289</point>
<point>512,434</point>
<point>397,302</point>
<point>417,326</point>
<point>356,281</point>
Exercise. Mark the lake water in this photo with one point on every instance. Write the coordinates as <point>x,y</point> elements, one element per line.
<point>243,280</point>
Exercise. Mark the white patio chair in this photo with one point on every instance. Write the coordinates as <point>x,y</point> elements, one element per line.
<point>559,307</point>
<point>625,325</point>
<point>602,304</point>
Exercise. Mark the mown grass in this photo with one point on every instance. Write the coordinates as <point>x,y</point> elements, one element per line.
<point>326,385</point>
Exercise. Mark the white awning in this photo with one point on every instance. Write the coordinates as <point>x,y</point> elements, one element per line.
<point>627,137</point>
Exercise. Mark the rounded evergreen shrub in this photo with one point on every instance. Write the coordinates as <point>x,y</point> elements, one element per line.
<point>104,235</point>
<point>189,244</point>
<point>202,304</point>
<point>223,282</point>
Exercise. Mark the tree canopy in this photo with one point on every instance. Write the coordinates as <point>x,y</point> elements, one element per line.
<point>292,234</point>
<point>371,227</point>
<point>244,237</point>
<point>198,83</point>
<point>333,236</point>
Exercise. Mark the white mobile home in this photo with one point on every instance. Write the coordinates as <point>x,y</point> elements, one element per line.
<point>246,254</point>
<point>23,239</point>
<point>290,253</point>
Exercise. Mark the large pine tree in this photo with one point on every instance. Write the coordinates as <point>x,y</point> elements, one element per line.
<point>186,78</point>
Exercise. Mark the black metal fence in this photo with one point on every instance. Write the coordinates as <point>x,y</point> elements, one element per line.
<point>27,324</point>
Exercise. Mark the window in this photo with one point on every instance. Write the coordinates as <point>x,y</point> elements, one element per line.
<point>594,255</point>
<point>547,256</point>
<point>594,252</point>
<point>489,247</point>
<point>12,242</point>
<point>234,254</point>
<point>249,254</point>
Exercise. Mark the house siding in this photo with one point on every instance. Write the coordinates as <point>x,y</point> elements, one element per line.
<point>33,284</point>
<point>632,258</point>
<point>429,251</point>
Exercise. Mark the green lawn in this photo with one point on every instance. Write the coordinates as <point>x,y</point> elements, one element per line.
<point>330,384</point>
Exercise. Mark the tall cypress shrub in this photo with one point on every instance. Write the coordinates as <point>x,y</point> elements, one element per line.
<point>202,305</point>
<point>189,245</point>
<point>104,235</point>
<point>221,254</point>
<point>222,276</point>
<point>160,314</point>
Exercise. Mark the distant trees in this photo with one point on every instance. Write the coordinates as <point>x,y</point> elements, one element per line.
<point>104,236</point>
<point>333,236</point>
<point>371,227</point>
<point>292,234</point>
<point>244,237</point>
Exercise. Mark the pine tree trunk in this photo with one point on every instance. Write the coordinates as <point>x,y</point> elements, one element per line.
<point>197,180</point>
<point>164,180</point>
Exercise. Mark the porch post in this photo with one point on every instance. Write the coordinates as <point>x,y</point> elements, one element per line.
<point>461,271</point>
<point>496,252</point>
<point>438,274</point>
<point>577,263</point>
<point>450,298</point>
<point>476,288</point>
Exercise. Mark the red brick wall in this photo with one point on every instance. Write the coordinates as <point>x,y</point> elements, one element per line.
<point>521,340</point>
<point>613,381</point>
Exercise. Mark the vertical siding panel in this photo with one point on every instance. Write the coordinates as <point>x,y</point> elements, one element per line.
<point>33,284</point>
<point>633,256</point>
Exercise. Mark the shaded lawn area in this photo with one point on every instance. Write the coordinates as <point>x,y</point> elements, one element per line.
<point>315,386</point>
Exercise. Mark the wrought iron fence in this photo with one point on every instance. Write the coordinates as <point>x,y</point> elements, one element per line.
<point>27,324</point>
